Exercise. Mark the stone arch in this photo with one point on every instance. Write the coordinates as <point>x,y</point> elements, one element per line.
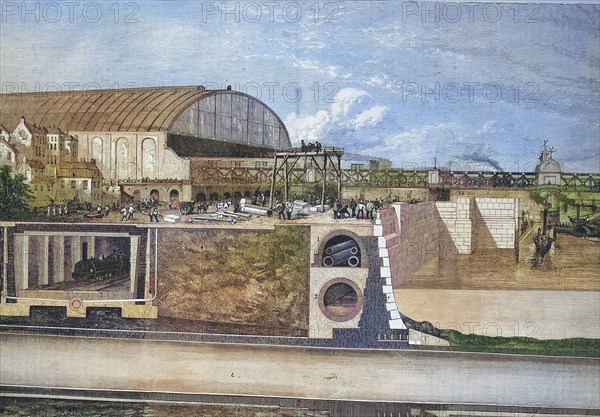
<point>201,197</point>
<point>137,195</point>
<point>174,196</point>
<point>122,158</point>
<point>341,235</point>
<point>155,195</point>
<point>149,158</point>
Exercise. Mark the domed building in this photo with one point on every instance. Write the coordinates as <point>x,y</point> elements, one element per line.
<point>548,170</point>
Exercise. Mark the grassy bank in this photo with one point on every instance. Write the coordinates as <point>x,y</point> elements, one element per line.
<point>473,342</point>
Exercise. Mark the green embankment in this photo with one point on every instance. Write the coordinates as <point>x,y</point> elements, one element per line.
<point>470,342</point>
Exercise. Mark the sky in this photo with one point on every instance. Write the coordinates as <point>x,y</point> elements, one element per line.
<point>479,86</point>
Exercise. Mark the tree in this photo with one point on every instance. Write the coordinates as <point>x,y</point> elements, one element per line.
<point>14,194</point>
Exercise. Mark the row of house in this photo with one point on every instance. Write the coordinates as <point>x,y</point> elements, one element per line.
<point>48,159</point>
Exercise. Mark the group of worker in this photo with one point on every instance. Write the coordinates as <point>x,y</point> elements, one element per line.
<point>57,210</point>
<point>284,210</point>
<point>355,210</point>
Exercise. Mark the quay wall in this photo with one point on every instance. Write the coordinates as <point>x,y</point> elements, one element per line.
<point>417,233</point>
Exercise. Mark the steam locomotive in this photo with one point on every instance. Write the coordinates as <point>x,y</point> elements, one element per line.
<point>114,265</point>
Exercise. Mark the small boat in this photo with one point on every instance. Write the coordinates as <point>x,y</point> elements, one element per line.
<point>543,243</point>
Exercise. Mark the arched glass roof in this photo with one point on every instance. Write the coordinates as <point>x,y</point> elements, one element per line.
<point>233,117</point>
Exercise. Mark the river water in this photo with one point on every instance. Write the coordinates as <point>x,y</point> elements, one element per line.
<point>572,264</point>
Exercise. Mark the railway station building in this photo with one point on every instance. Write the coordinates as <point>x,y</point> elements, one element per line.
<point>146,141</point>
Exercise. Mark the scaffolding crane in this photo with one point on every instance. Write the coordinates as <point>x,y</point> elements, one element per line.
<point>327,161</point>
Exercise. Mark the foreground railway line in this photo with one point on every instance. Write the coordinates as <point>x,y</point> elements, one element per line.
<point>42,362</point>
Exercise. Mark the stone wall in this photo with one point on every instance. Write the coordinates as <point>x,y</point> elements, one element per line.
<point>525,202</point>
<point>132,155</point>
<point>494,223</point>
<point>417,233</point>
<point>412,237</point>
<point>455,217</point>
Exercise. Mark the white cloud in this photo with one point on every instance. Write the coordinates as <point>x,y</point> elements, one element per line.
<point>346,112</point>
<point>370,117</point>
<point>308,128</point>
<point>346,100</point>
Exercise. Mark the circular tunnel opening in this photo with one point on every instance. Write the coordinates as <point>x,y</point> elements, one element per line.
<point>340,299</point>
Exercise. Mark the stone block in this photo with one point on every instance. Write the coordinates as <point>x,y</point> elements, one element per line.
<point>378,230</point>
<point>388,289</point>
<point>397,324</point>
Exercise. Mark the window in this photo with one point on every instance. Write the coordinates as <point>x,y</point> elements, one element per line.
<point>236,164</point>
<point>73,184</point>
<point>85,184</point>
<point>260,164</point>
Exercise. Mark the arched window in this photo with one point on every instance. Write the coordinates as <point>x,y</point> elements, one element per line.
<point>97,150</point>
<point>149,158</point>
<point>122,158</point>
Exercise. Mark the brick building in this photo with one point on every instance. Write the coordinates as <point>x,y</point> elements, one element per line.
<point>48,159</point>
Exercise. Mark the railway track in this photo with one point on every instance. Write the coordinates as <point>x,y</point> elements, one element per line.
<point>334,408</point>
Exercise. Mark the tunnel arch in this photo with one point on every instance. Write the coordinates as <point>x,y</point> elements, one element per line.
<point>339,237</point>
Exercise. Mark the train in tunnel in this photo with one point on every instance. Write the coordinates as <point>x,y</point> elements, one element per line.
<point>112,266</point>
